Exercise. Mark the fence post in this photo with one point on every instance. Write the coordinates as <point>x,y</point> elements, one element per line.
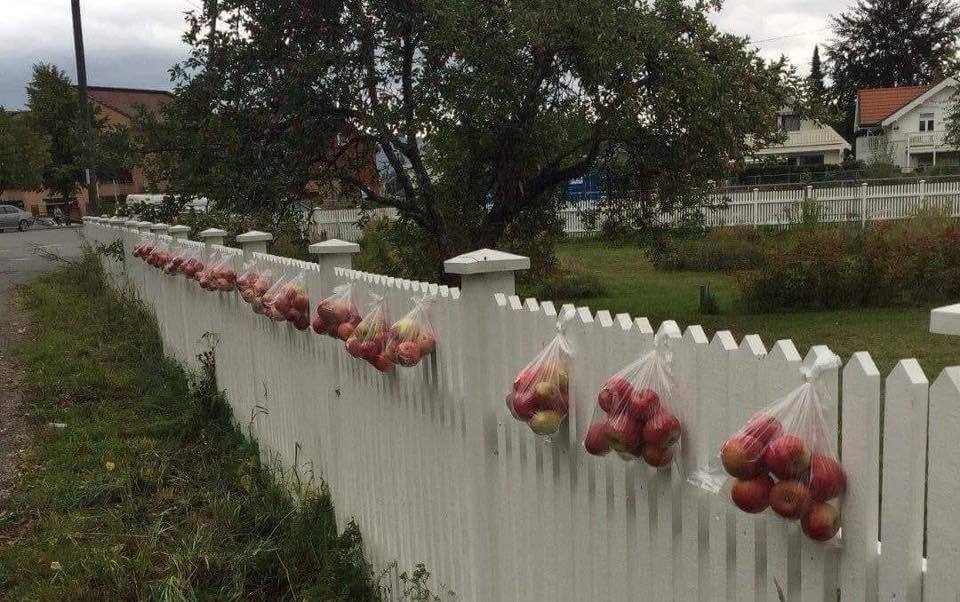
<point>159,228</point>
<point>144,227</point>
<point>178,232</point>
<point>213,236</point>
<point>863,205</point>
<point>756,207</point>
<point>331,254</point>
<point>254,241</point>
<point>482,274</point>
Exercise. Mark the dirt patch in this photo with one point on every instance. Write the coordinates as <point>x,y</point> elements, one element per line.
<point>14,328</point>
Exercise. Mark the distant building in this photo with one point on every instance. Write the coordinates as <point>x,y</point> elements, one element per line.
<point>807,142</point>
<point>119,107</point>
<point>905,125</point>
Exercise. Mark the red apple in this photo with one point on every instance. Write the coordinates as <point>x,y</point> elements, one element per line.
<point>382,363</point>
<point>790,498</point>
<point>662,430</point>
<point>545,422</point>
<point>657,456</point>
<point>623,433</point>
<point>742,456</point>
<point>787,456</point>
<point>546,394</point>
<point>606,399</point>
<point>524,406</point>
<point>525,379</point>
<point>344,331</point>
<point>763,427</point>
<point>318,326</point>
<point>752,495</point>
<point>827,479</point>
<point>428,345</point>
<point>596,440</point>
<point>302,323</point>
<point>353,346</point>
<point>408,353</point>
<point>643,404</point>
<point>821,522</point>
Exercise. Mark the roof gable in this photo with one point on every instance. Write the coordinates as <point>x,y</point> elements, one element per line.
<point>876,104</point>
<point>930,93</point>
<point>127,101</point>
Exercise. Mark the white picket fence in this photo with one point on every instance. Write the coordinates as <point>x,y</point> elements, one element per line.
<point>780,207</point>
<point>433,468</point>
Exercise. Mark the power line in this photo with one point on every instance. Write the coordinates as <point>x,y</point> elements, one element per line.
<point>792,35</point>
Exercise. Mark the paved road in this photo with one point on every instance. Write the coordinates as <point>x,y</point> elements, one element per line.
<point>19,263</point>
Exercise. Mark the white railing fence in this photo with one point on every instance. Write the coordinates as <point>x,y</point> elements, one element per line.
<point>432,467</point>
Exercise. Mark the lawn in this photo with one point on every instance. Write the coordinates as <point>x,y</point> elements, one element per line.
<point>137,485</point>
<point>635,287</point>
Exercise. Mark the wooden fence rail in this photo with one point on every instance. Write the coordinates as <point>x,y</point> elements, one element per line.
<point>433,468</point>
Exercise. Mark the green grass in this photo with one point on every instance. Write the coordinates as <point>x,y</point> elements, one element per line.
<point>635,287</point>
<point>149,492</point>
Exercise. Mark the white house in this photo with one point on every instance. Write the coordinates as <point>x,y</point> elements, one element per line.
<point>807,143</point>
<point>906,124</point>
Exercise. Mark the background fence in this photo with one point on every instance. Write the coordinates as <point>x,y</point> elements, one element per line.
<point>433,468</point>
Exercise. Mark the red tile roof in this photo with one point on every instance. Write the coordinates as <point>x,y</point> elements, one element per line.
<point>876,104</point>
<point>128,101</point>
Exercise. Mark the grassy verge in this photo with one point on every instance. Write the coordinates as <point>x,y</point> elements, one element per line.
<point>148,491</point>
<point>632,285</point>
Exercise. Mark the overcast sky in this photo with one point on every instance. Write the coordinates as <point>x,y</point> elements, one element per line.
<point>133,43</point>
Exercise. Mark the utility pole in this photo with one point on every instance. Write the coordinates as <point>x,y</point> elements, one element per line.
<point>90,171</point>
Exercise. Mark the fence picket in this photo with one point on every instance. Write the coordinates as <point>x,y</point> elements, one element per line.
<point>943,554</point>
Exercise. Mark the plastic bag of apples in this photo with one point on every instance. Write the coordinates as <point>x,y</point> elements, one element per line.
<point>540,394</point>
<point>337,315</point>
<point>368,340</point>
<point>159,255</point>
<point>144,246</point>
<point>287,300</point>
<point>253,283</point>
<point>192,265</point>
<point>219,274</point>
<point>783,458</point>
<point>178,255</point>
<point>632,416</point>
<point>412,337</point>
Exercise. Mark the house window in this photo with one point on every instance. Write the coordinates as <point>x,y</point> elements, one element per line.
<point>926,122</point>
<point>790,123</point>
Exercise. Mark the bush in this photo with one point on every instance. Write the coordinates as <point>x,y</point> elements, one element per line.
<point>567,283</point>
<point>721,249</point>
<point>907,262</point>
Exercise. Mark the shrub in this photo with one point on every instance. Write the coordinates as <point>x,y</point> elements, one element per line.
<point>567,283</point>
<point>721,249</point>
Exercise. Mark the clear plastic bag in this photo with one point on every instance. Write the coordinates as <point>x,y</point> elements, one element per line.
<point>253,283</point>
<point>412,337</point>
<point>144,246</point>
<point>192,264</point>
<point>178,254</point>
<point>783,459</point>
<point>368,340</point>
<point>337,315</point>
<point>159,255</point>
<point>540,393</point>
<point>218,274</point>
<point>632,416</point>
<point>287,300</point>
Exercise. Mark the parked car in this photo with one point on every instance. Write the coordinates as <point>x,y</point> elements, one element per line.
<point>14,217</point>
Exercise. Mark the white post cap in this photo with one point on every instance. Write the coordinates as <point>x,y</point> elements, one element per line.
<point>484,261</point>
<point>334,246</point>
<point>945,320</point>
<point>178,229</point>
<point>212,233</point>
<point>160,227</point>
<point>254,236</point>
<point>131,223</point>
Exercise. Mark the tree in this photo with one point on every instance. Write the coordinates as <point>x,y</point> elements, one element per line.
<point>23,154</point>
<point>953,122</point>
<point>481,109</point>
<point>54,111</point>
<point>890,43</point>
<point>817,87</point>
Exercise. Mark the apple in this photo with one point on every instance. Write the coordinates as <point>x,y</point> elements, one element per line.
<point>606,399</point>
<point>406,329</point>
<point>752,495</point>
<point>623,433</point>
<point>656,456</point>
<point>545,422</point>
<point>596,442</point>
<point>787,456</point>
<point>763,427</point>
<point>318,326</point>
<point>663,430</point>
<point>546,393</point>
<point>525,379</point>
<point>789,498</point>
<point>369,350</point>
<point>524,406</point>
<point>302,323</point>
<point>409,353</point>
<point>821,522</point>
<point>827,479</point>
<point>563,381</point>
<point>344,331</point>
<point>643,404</point>
<point>621,387</point>
<point>742,456</point>
<point>428,345</point>
<point>382,363</point>
<point>353,346</point>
